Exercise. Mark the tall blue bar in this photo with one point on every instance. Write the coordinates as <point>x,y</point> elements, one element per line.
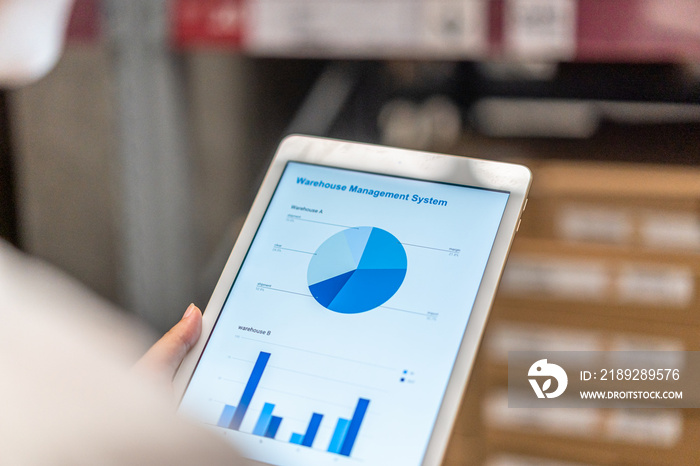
<point>354,427</point>
<point>264,419</point>
<point>312,429</point>
<point>273,426</point>
<point>249,390</point>
<point>296,439</point>
<point>226,416</point>
<point>338,435</point>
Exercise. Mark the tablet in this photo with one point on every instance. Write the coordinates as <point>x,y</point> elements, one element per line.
<point>346,321</point>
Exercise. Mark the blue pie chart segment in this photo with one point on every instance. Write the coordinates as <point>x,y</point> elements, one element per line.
<point>357,270</point>
<point>326,291</point>
<point>340,260</point>
<point>357,240</point>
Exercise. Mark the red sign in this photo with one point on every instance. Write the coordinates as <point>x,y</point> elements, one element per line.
<point>84,23</point>
<point>207,23</point>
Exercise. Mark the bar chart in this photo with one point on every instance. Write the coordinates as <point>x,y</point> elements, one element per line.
<point>267,425</point>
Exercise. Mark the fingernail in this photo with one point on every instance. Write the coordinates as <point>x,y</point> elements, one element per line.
<point>189,311</point>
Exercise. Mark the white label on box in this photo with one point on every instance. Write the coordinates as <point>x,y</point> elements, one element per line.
<point>656,427</point>
<point>519,460</point>
<point>578,280</point>
<point>540,29</point>
<point>455,26</point>
<point>589,223</point>
<point>671,230</point>
<point>664,346</point>
<point>344,26</point>
<point>670,286</point>
<point>507,337</point>
<point>582,422</point>
<point>634,351</point>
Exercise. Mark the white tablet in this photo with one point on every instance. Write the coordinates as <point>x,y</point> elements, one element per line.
<point>346,321</point>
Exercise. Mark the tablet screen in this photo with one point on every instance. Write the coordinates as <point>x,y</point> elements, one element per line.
<point>339,334</point>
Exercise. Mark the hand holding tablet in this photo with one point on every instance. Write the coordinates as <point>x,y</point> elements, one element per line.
<point>348,316</point>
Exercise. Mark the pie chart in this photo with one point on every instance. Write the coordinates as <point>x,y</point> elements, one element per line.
<point>357,270</point>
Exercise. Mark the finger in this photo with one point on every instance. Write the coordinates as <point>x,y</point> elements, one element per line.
<point>164,357</point>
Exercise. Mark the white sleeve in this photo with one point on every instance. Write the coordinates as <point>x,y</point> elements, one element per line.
<point>66,393</point>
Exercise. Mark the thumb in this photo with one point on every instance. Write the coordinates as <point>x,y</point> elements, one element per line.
<point>162,360</point>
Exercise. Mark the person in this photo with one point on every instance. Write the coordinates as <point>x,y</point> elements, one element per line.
<point>69,391</point>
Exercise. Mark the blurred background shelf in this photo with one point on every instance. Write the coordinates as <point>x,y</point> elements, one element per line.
<point>580,30</point>
<point>601,98</point>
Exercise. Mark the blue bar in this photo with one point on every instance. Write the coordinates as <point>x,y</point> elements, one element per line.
<point>338,435</point>
<point>264,419</point>
<point>273,426</point>
<point>354,428</point>
<point>296,439</point>
<point>312,429</point>
<point>226,416</point>
<point>249,390</point>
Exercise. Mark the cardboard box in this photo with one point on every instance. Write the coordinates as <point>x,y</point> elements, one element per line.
<point>607,258</point>
<point>639,206</point>
<point>516,329</point>
<point>465,450</point>
<point>601,280</point>
<point>591,436</point>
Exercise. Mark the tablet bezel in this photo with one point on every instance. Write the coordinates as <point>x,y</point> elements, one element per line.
<point>500,176</point>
